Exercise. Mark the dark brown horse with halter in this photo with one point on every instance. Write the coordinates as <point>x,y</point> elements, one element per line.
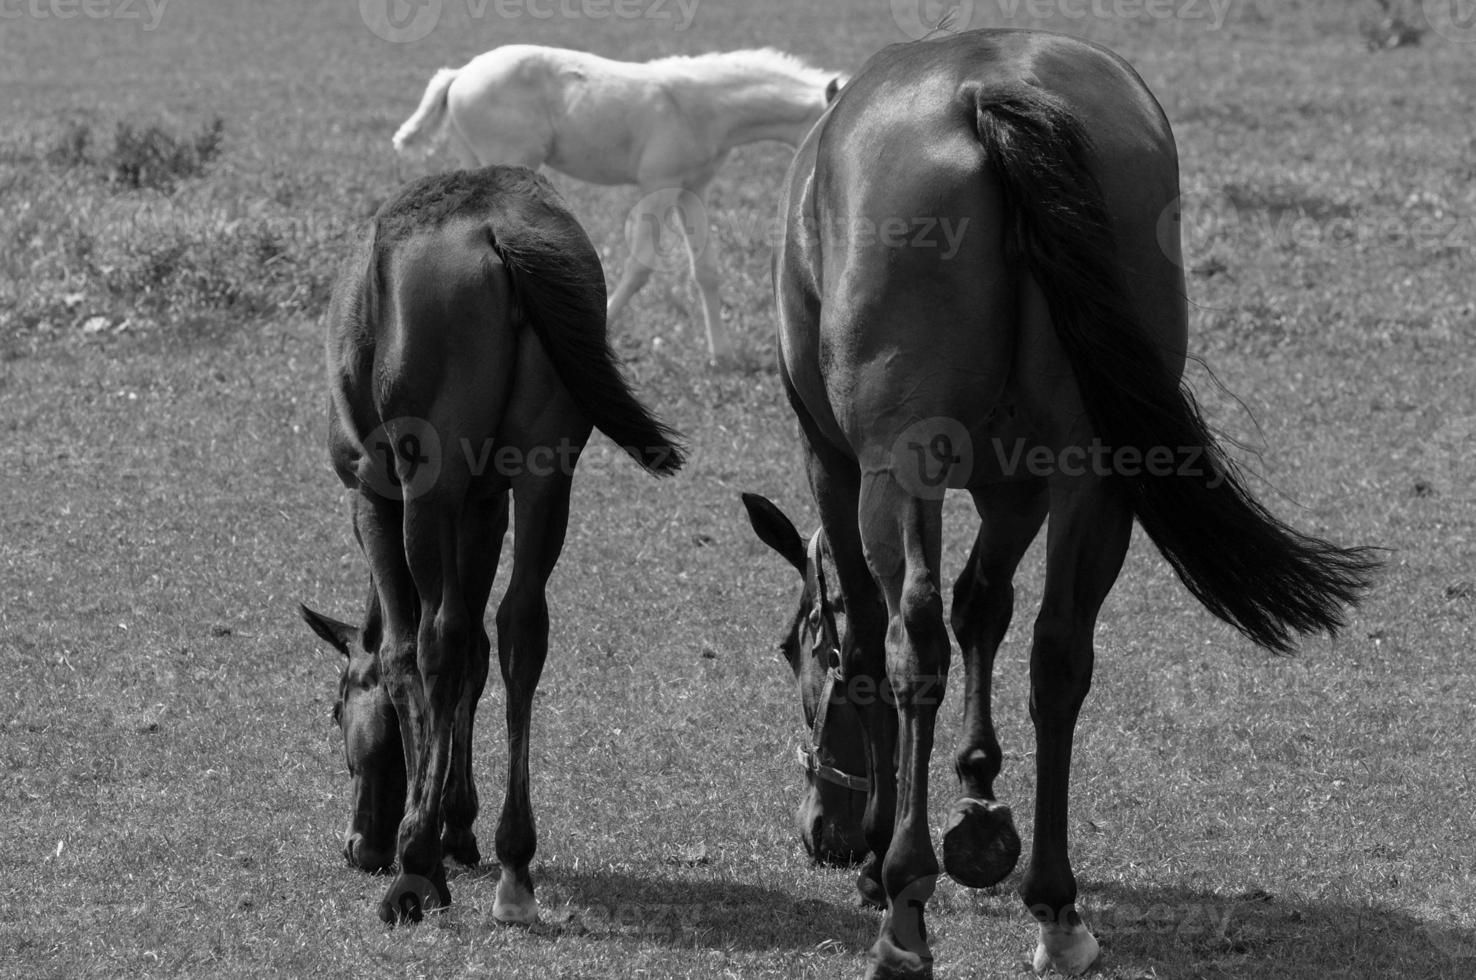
<point>467,362</point>
<point>1033,360</point>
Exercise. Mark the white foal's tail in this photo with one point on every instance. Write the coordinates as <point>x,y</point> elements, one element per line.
<point>424,130</point>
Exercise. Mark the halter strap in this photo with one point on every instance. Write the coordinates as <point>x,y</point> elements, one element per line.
<point>809,755</point>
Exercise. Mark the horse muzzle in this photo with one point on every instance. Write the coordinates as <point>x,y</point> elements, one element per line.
<point>831,830</point>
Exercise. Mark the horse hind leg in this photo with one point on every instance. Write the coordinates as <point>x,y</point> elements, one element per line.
<point>442,642</point>
<point>702,249</point>
<point>643,236</point>
<point>1091,522</point>
<point>481,543</point>
<point>541,514</point>
<point>980,843</point>
<point>903,541</point>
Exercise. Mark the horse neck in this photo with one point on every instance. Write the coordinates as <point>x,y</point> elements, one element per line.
<point>774,108</point>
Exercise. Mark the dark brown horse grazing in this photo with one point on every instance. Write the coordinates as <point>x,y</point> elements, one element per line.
<point>467,361</point>
<point>1037,366</point>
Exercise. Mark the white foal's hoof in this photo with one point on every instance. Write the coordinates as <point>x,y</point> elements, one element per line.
<point>1067,949</point>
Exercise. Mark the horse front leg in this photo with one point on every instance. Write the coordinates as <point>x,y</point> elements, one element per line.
<point>392,625</point>
<point>835,487</point>
<point>980,844</point>
<point>379,801</point>
<point>541,513</point>
<point>902,535</point>
<point>481,544</point>
<point>1088,537</point>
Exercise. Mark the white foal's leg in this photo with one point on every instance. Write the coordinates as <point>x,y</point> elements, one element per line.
<point>702,248</point>
<point>643,235</point>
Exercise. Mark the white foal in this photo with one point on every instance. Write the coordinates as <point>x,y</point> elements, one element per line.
<point>665,126</point>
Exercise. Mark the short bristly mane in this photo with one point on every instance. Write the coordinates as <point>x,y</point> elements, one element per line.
<point>746,63</point>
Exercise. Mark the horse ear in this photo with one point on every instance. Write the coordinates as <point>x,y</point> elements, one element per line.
<point>775,530</point>
<point>341,636</point>
<point>833,89</point>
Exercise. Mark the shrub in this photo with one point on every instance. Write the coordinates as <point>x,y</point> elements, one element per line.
<point>155,158</point>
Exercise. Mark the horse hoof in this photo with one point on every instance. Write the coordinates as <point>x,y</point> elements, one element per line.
<point>410,897</point>
<point>1067,950</point>
<point>461,848</point>
<point>980,845</point>
<point>888,961</point>
<point>514,904</point>
<point>361,855</point>
<point>868,884</point>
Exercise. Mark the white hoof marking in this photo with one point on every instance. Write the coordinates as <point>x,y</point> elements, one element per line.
<point>1067,949</point>
<point>514,905</point>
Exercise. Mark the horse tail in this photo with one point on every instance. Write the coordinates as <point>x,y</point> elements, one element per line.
<point>559,288</point>
<point>1246,566</point>
<point>424,130</point>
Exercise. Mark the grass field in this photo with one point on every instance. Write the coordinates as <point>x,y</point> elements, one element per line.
<point>172,791</point>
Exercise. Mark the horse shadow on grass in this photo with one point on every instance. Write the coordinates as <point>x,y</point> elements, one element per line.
<point>1165,931</point>
<point>1144,930</point>
<point>681,912</point>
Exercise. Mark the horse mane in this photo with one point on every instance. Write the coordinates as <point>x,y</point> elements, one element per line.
<point>743,63</point>
<point>433,200</point>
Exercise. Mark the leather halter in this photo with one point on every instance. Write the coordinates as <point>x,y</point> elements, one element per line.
<point>825,635</point>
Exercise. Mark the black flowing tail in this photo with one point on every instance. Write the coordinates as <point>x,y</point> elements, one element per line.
<point>559,285</point>
<point>1245,565</point>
